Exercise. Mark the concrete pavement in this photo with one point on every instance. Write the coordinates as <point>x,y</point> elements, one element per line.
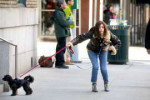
<point>127,82</point>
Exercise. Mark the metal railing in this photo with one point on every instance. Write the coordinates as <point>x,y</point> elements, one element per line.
<point>16,57</point>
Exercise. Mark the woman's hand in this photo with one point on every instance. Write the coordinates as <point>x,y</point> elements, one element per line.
<point>113,50</point>
<point>70,45</point>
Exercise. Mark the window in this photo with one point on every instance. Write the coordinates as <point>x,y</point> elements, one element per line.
<point>48,6</point>
<point>22,3</point>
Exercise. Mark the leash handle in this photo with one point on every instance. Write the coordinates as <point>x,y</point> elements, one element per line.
<point>70,49</point>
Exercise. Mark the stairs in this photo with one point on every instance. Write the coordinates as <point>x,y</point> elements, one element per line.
<point>1,88</point>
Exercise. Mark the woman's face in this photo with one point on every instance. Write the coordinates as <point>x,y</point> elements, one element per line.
<point>101,29</point>
<point>71,2</point>
<point>111,9</point>
<point>63,6</point>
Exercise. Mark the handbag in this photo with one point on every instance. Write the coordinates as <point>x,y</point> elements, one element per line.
<point>44,62</point>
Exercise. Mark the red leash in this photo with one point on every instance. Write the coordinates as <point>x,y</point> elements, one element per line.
<point>71,51</point>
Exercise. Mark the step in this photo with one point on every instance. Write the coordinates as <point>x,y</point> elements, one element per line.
<point>1,88</point>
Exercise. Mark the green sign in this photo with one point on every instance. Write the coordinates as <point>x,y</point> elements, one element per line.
<point>76,4</point>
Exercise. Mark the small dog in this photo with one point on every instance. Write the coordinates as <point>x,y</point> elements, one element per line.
<point>17,83</point>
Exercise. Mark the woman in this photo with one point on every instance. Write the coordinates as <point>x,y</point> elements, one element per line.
<point>101,41</point>
<point>69,14</point>
<point>109,14</point>
<point>61,25</point>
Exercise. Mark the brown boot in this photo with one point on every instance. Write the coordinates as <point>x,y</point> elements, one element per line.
<point>67,59</point>
<point>69,63</point>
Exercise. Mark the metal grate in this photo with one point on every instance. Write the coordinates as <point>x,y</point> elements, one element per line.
<point>138,21</point>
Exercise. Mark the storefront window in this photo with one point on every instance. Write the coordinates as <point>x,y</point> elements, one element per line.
<point>48,6</point>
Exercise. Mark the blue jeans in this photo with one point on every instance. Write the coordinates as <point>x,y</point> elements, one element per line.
<point>102,56</point>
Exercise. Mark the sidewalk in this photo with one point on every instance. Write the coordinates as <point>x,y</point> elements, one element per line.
<point>127,82</point>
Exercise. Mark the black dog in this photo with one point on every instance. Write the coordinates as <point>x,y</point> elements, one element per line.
<point>17,83</point>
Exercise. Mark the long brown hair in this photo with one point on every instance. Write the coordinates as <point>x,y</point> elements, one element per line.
<point>97,25</point>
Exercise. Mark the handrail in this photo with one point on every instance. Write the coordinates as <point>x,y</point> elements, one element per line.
<point>16,57</point>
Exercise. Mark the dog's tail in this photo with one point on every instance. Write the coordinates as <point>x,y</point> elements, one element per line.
<point>29,78</point>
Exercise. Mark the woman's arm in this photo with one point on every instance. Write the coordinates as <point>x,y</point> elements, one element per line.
<point>83,37</point>
<point>115,41</point>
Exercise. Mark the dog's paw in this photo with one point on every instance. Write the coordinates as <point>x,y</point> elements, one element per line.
<point>13,94</point>
<point>28,93</point>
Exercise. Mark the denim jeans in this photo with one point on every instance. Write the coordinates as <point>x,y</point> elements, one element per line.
<point>61,42</point>
<point>102,56</point>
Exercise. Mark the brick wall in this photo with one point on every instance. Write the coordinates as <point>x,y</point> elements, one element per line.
<point>8,3</point>
<point>14,3</point>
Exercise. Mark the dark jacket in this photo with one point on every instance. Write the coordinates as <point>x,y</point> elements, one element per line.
<point>147,36</point>
<point>107,16</point>
<point>95,43</point>
<point>61,24</point>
